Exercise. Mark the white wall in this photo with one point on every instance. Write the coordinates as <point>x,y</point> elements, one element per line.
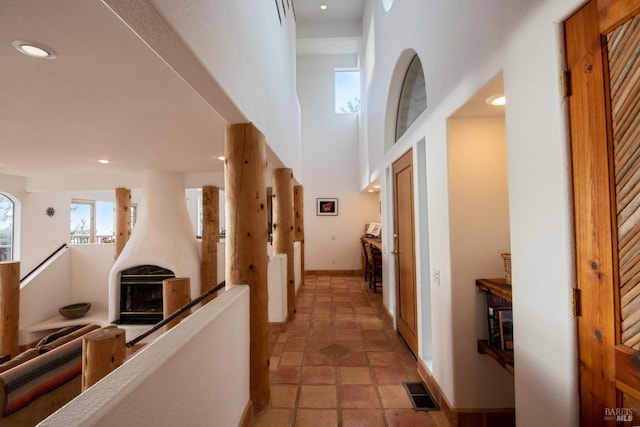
<point>462,45</point>
<point>541,220</point>
<point>78,273</point>
<point>330,164</point>
<point>90,266</point>
<point>41,234</point>
<point>297,265</point>
<point>37,234</point>
<point>193,196</point>
<point>252,56</point>
<point>177,379</point>
<point>194,200</point>
<point>42,294</point>
<point>479,218</point>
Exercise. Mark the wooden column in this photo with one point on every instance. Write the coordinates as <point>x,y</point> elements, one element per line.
<point>246,243</point>
<point>103,350</point>
<point>210,237</point>
<point>9,307</point>
<point>123,218</point>
<point>176,292</point>
<point>283,229</point>
<point>298,220</point>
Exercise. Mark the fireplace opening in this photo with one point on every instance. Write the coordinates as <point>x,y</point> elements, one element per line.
<point>141,294</point>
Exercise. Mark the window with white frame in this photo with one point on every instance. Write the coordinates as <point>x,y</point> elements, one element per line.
<point>93,221</point>
<point>7,209</point>
<point>82,222</point>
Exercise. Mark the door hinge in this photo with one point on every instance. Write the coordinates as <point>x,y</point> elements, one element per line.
<point>575,302</point>
<point>565,83</point>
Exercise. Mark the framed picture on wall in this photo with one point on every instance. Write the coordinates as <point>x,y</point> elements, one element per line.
<point>327,207</point>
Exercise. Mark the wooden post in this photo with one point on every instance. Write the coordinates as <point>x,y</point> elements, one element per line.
<point>298,210</point>
<point>123,218</point>
<point>176,292</point>
<point>103,350</point>
<point>246,243</point>
<point>210,237</point>
<point>9,307</point>
<point>283,229</point>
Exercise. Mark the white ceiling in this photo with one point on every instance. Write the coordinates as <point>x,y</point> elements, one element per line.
<point>335,30</point>
<point>309,12</point>
<point>106,95</point>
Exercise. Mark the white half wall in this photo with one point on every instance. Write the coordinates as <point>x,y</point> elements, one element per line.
<point>195,373</point>
<point>297,265</point>
<point>277,285</point>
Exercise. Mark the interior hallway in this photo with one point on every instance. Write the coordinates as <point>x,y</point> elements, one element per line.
<point>340,362</point>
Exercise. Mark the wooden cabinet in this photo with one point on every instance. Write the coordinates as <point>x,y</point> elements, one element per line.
<point>500,288</point>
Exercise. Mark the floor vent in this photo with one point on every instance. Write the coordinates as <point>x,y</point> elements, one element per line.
<point>420,397</point>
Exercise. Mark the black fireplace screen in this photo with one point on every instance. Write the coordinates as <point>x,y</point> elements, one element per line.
<point>141,294</point>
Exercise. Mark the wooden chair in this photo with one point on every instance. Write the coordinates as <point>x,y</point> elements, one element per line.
<point>365,261</point>
<point>375,267</point>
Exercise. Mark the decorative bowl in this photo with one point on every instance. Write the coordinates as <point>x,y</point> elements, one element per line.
<point>74,311</point>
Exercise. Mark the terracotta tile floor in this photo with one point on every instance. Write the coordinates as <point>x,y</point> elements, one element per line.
<point>340,363</point>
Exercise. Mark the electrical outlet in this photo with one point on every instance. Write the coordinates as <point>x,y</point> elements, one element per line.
<point>436,276</point>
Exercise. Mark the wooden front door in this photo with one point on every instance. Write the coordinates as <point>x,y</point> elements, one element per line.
<point>603,59</point>
<point>404,251</point>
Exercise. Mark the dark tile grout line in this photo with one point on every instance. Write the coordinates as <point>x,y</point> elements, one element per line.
<point>317,303</point>
<point>369,366</point>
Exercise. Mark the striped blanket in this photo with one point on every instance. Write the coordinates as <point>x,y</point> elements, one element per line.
<point>33,378</point>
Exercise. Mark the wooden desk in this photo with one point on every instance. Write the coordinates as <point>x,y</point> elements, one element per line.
<point>375,242</point>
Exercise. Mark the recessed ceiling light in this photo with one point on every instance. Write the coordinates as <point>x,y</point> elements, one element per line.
<point>323,6</point>
<point>35,50</point>
<point>376,186</point>
<point>497,100</point>
<point>104,161</point>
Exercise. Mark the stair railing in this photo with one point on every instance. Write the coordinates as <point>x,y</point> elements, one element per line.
<point>176,313</point>
<point>64,245</point>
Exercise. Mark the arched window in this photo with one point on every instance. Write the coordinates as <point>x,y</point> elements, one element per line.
<point>7,209</point>
<point>413,97</point>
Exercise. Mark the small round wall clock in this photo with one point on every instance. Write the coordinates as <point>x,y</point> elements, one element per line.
<point>50,211</point>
